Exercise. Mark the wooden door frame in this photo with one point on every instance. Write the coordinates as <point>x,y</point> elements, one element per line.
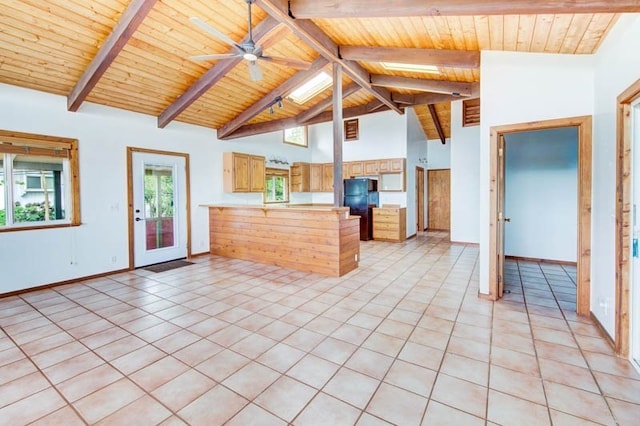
<point>624,198</point>
<point>419,196</point>
<point>130,151</point>
<point>584,125</point>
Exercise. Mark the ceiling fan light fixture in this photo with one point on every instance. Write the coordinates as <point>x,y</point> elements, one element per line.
<point>426,69</point>
<point>249,56</point>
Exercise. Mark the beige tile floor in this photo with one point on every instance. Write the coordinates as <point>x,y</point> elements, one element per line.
<point>402,340</point>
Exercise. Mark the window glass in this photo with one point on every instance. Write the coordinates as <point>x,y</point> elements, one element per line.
<point>38,188</point>
<point>276,186</point>
<point>39,185</point>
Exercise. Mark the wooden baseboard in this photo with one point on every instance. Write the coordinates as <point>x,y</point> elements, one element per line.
<point>60,283</point>
<point>603,331</point>
<point>484,296</point>
<point>532,259</point>
<point>465,243</point>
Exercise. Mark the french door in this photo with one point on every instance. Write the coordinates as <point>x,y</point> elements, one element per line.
<point>635,243</point>
<point>159,208</point>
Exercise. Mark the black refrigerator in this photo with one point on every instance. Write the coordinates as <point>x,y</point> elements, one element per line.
<point>361,195</point>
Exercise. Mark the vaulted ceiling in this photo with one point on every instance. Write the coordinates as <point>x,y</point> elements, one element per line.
<point>136,54</point>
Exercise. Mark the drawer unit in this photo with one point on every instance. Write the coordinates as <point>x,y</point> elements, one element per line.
<point>390,223</point>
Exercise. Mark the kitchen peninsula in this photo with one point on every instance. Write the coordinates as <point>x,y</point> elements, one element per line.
<point>320,239</point>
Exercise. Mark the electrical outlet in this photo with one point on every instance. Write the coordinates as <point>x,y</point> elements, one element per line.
<point>114,259</point>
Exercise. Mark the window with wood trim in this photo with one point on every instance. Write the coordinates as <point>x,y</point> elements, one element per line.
<point>276,186</point>
<point>471,112</point>
<point>351,130</point>
<point>38,181</point>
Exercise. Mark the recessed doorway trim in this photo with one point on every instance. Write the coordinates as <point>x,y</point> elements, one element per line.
<point>130,196</point>
<point>623,218</point>
<point>584,125</point>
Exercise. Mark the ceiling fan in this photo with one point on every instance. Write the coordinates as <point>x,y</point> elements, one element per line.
<point>249,50</point>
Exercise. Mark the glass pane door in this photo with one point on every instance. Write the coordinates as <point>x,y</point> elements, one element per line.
<point>159,206</point>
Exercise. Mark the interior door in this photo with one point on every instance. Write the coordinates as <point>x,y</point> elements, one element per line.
<point>501,219</point>
<point>439,199</point>
<point>159,208</point>
<point>635,244</point>
<point>420,198</point>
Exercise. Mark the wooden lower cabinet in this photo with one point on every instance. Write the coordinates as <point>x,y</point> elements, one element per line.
<point>390,224</point>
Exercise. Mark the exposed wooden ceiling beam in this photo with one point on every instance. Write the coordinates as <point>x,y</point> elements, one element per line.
<point>287,123</point>
<point>281,91</point>
<point>261,32</point>
<point>434,86</point>
<point>436,122</point>
<point>324,104</point>
<point>434,98</point>
<point>437,57</point>
<point>131,18</point>
<point>311,9</point>
<point>323,44</point>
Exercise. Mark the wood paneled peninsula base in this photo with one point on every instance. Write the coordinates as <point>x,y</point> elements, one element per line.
<point>320,239</point>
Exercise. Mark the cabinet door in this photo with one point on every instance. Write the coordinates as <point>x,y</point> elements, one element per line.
<point>384,165</point>
<point>257,174</point>
<point>370,167</point>
<point>345,171</point>
<point>315,184</point>
<point>241,178</point>
<point>396,165</point>
<point>295,183</point>
<point>327,177</point>
<point>356,169</point>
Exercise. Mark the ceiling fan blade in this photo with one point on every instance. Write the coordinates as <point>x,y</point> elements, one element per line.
<point>208,28</point>
<point>254,71</point>
<point>215,57</point>
<point>287,62</point>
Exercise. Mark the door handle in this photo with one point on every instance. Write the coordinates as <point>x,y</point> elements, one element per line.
<point>507,219</point>
<point>138,219</point>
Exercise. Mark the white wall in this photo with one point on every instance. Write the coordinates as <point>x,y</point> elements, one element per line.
<point>438,154</point>
<point>465,178</point>
<point>524,87</point>
<point>541,194</point>
<point>382,135</point>
<point>617,66</point>
<point>36,257</point>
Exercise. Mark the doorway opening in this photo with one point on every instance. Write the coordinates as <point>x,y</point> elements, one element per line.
<point>627,318</point>
<point>159,206</point>
<point>497,200</point>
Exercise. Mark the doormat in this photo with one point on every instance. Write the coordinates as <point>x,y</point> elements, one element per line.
<point>167,266</point>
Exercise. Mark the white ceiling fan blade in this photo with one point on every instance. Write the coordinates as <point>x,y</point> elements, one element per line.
<point>208,28</point>
<point>215,57</point>
<point>288,62</point>
<point>254,71</point>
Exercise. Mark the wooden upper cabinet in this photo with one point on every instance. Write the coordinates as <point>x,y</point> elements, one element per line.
<point>257,175</point>
<point>315,178</point>
<point>327,177</point>
<point>384,165</point>
<point>300,177</point>
<point>371,167</point>
<point>355,169</point>
<point>242,172</point>
<point>396,164</point>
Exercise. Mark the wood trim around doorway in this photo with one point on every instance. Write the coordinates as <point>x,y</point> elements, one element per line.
<point>584,125</point>
<point>623,218</point>
<point>130,151</point>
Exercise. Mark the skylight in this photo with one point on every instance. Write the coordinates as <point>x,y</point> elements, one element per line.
<point>311,88</point>
<point>393,66</point>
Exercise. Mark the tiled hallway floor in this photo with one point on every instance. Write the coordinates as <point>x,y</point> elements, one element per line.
<point>404,340</point>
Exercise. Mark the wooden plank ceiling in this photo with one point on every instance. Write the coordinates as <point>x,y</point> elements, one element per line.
<point>135,54</point>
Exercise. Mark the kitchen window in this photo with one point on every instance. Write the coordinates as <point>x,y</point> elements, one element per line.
<point>38,181</point>
<point>276,186</point>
